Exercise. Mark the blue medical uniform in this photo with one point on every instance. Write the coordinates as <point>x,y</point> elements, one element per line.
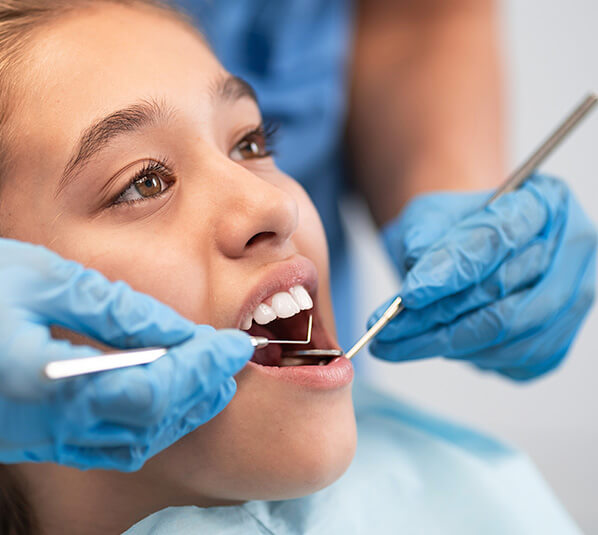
<point>295,54</point>
<point>413,474</point>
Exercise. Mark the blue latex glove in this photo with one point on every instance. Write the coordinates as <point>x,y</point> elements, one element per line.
<point>116,419</point>
<point>505,288</point>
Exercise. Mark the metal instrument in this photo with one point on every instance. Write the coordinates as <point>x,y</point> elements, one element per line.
<point>519,176</point>
<point>61,369</point>
<point>123,359</point>
<point>314,353</point>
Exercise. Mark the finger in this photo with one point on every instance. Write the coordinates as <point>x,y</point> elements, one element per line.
<point>516,315</point>
<point>26,434</point>
<point>513,275</point>
<point>476,246</point>
<point>144,395</point>
<point>127,448</point>
<point>425,220</point>
<point>109,458</point>
<point>65,293</point>
<point>26,350</point>
<point>539,352</point>
<point>198,414</point>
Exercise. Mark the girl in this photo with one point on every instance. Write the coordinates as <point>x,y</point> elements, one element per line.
<point>129,149</point>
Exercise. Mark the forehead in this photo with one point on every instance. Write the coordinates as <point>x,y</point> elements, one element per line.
<point>98,60</point>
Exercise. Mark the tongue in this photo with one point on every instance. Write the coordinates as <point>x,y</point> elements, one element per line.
<point>268,356</point>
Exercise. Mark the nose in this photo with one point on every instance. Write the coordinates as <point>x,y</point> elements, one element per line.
<point>257,216</point>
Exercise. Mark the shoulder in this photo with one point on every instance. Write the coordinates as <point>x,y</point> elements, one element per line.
<point>396,418</point>
<point>445,476</point>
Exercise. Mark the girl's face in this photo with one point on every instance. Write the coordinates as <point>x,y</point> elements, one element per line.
<point>138,155</point>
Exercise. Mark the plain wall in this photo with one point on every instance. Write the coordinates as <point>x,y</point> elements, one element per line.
<point>551,56</point>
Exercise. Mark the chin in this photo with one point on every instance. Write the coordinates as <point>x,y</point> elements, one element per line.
<point>271,442</point>
<point>304,446</point>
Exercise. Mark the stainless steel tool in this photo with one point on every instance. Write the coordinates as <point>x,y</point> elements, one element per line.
<point>61,369</point>
<point>519,176</point>
<point>123,359</point>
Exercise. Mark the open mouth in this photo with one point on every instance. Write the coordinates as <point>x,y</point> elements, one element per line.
<point>292,328</point>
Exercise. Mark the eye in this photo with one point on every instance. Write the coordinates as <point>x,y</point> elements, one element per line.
<point>255,144</point>
<point>150,182</point>
<point>149,186</point>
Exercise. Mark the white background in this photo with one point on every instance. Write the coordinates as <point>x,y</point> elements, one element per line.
<point>551,56</point>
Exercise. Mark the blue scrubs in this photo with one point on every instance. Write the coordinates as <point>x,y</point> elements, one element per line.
<point>295,53</point>
<point>413,474</point>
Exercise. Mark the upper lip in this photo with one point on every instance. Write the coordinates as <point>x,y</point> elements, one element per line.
<point>280,278</point>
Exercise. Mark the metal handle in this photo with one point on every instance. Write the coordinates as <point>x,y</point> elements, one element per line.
<point>391,312</point>
<point>522,173</point>
<point>61,369</point>
<point>518,177</point>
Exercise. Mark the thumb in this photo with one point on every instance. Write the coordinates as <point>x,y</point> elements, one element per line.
<point>425,220</point>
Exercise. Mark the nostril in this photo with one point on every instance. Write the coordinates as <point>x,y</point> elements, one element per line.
<point>260,237</point>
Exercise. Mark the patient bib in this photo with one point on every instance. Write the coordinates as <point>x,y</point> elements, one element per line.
<point>413,474</point>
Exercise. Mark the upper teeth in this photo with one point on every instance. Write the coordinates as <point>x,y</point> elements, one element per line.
<point>284,305</point>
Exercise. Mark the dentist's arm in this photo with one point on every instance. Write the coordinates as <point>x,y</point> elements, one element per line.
<point>117,419</point>
<point>505,288</point>
<point>426,100</point>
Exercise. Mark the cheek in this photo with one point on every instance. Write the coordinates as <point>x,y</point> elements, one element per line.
<point>151,261</point>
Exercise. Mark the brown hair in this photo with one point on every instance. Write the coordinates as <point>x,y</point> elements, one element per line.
<point>19,20</point>
<point>16,515</point>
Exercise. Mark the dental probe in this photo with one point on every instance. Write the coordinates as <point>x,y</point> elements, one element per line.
<point>110,361</point>
<point>519,176</point>
<point>61,369</point>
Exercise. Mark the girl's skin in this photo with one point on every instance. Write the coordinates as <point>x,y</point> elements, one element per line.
<point>189,246</point>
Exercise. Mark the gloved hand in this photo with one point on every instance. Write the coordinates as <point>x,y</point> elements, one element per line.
<point>116,419</point>
<point>505,288</point>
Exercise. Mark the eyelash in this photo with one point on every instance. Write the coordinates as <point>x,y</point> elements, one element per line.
<point>266,131</point>
<point>160,167</point>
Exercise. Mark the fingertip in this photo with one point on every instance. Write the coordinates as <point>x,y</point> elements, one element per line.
<point>236,346</point>
<point>241,341</point>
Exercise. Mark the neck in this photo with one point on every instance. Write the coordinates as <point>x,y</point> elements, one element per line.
<point>66,500</point>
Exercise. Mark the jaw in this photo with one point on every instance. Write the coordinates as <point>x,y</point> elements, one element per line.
<point>273,441</point>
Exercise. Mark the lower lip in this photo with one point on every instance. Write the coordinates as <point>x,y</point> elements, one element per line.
<point>335,374</point>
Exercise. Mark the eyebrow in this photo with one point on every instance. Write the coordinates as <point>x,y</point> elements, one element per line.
<point>232,88</point>
<point>138,116</point>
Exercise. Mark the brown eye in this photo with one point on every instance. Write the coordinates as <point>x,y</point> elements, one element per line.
<point>254,145</point>
<point>149,185</point>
